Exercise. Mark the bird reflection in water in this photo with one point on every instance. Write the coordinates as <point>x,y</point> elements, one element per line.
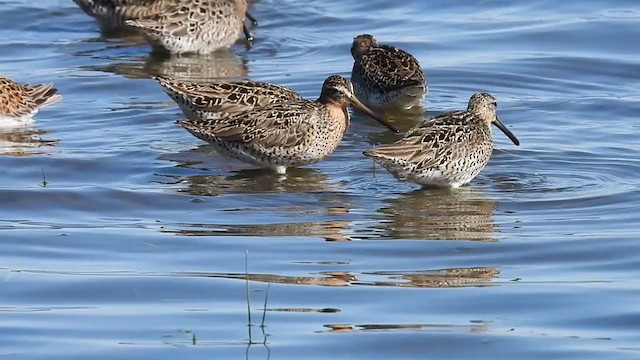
<point>474,327</point>
<point>221,64</point>
<point>438,278</point>
<point>330,230</point>
<point>327,217</point>
<point>235,178</point>
<point>329,278</point>
<point>440,214</point>
<point>23,141</point>
<point>403,119</point>
<point>410,117</point>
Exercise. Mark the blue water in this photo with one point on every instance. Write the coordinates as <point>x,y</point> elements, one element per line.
<point>124,237</point>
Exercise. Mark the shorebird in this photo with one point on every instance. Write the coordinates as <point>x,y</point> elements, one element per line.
<point>195,26</point>
<point>286,134</point>
<point>448,150</point>
<point>220,99</point>
<point>385,76</point>
<point>179,26</point>
<point>23,101</point>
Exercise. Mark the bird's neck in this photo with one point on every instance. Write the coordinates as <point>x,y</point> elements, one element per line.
<point>338,114</point>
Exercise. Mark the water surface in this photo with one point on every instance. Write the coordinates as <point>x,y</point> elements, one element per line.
<point>124,237</point>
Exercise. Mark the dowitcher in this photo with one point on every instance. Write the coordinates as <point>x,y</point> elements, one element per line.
<point>285,134</point>
<point>196,26</point>
<point>385,76</point>
<point>448,150</point>
<point>220,99</point>
<point>112,14</point>
<point>23,101</point>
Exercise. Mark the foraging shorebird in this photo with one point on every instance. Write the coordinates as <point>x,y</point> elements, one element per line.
<point>196,26</point>
<point>221,99</point>
<point>179,26</point>
<point>286,134</point>
<point>448,150</point>
<point>385,76</point>
<point>23,101</point>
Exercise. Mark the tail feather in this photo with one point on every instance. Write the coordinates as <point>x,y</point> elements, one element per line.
<point>207,98</point>
<point>395,152</point>
<point>167,83</point>
<point>175,91</point>
<point>44,95</point>
<point>149,26</point>
<point>185,123</point>
<point>161,78</point>
<point>194,126</point>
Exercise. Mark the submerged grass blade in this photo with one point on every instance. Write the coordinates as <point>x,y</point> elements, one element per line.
<point>264,310</point>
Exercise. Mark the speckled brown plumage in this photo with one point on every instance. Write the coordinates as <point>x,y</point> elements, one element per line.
<point>195,26</point>
<point>112,14</point>
<point>385,76</point>
<point>220,99</point>
<point>285,134</point>
<point>448,150</point>
<point>18,101</point>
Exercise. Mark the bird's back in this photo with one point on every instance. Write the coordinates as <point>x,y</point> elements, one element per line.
<point>195,26</point>
<point>293,133</point>
<point>387,75</point>
<point>216,100</point>
<point>448,150</point>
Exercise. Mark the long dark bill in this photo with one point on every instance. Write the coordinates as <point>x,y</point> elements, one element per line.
<point>362,107</point>
<point>506,131</point>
